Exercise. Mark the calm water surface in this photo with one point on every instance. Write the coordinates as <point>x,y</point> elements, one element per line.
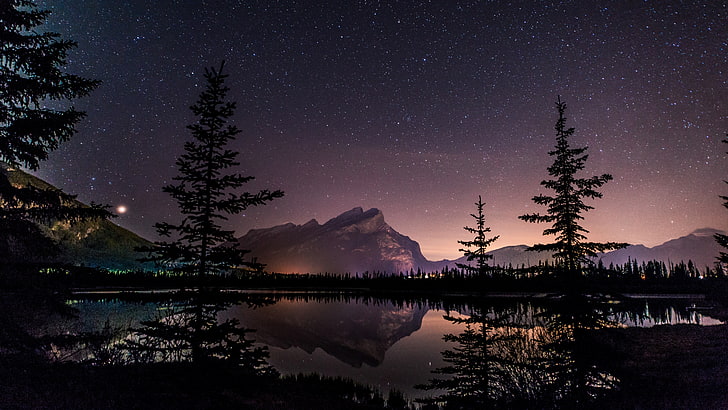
<point>380,342</point>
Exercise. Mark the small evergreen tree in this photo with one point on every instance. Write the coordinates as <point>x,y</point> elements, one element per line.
<point>204,192</point>
<point>565,207</point>
<point>476,248</point>
<point>721,238</point>
<point>31,75</point>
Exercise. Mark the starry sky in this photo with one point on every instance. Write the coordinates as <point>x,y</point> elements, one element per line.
<point>412,107</point>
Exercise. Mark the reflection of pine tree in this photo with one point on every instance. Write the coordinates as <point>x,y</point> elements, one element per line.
<point>476,248</point>
<point>475,375</point>
<point>575,375</point>
<point>192,332</point>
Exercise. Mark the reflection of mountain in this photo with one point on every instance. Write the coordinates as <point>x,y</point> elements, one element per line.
<point>354,333</point>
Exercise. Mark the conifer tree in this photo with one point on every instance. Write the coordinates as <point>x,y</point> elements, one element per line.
<point>33,91</point>
<point>205,189</point>
<point>476,248</point>
<point>31,76</point>
<point>566,205</point>
<point>721,238</point>
<point>205,194</point>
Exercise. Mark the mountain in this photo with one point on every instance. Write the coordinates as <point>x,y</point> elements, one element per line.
<point>93,243</point>
<point>516,256</point>
<point>358,241</point>
<point>355,241</point>
<point>699,246</point>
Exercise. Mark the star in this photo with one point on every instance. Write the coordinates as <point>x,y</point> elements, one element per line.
<point>341,102</point>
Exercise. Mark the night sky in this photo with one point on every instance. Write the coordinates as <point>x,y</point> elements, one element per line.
<point>412,107</point>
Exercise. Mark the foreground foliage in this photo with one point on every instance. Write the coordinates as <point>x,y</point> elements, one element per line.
<point>31,74</point>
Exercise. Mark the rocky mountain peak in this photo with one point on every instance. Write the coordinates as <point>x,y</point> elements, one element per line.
<point>355,241</point>
<point>355,216</point>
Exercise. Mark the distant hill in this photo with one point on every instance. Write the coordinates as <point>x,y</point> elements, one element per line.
<point>93,243</point>
<point>699,246</point>
<point>355,241</point>
<point>515,255</point>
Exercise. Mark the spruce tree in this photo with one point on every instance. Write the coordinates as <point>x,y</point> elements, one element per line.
<point>476,248</point>
<point>566,205</point>
<point>721,238</point>
<point>33,86</point>
<point>205,190</point>
<point>31,75</point>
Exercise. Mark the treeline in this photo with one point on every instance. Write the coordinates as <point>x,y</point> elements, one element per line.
<point>630,276</point>
<point>631,270</point>
<point>659,270</point>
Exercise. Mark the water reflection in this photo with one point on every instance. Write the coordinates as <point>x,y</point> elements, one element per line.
<point>575,373</point>
<point>486,353</point>
<point>486,365</point>
<point>354,333</point>
<point>521,356</point>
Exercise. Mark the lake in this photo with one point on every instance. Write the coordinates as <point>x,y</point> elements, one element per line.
<point>396,343</point>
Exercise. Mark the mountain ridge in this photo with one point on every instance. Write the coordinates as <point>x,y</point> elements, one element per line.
<point>698,246</point>
<point>92,243</point>
<point>355,241</point>
<point>358,241</point>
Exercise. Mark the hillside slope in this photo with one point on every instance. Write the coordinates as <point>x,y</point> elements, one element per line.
<point>93,243</point>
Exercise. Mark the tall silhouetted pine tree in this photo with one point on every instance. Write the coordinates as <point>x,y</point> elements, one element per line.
<point>31,75</point>
<point>205,189</point>
<point>566,206</point>
<point>720,238</point>
<point>475,250</point>
<point>206,192</point>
